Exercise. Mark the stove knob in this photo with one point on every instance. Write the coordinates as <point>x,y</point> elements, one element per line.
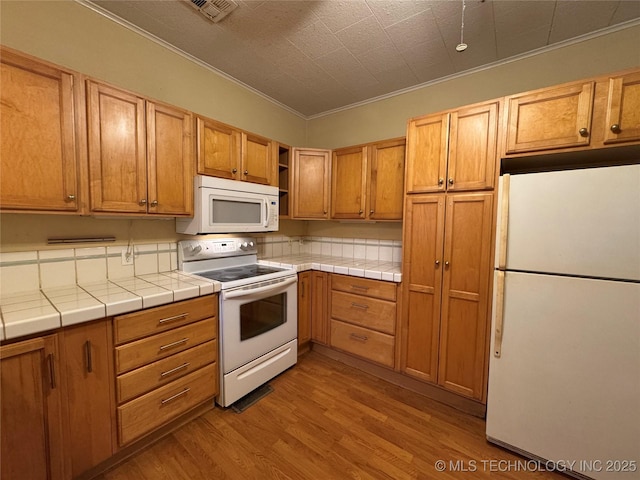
<point>244,245</point>
<point>195,250</point>
<point>251,244</point>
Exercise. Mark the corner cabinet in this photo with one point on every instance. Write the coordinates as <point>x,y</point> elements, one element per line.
<point>453,151</point>
<point>31,437</point>
<point>40,163</point>
<point>140,154</point>
<point>311,182</point>
<point>447,274</point>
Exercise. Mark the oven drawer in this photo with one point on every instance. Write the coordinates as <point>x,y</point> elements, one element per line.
<point>363,286</point>
<point>154,320</point>
<point>150,349</point>
<point>375,346</point>
<point>367,312</point>
<point>156,374</point>
<point>144,414</point>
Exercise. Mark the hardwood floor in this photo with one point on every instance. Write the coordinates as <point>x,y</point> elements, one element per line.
<point>326,420</point>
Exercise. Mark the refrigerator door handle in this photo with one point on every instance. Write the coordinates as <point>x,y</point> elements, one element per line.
<point>497,340</point>
<point>504,222</point>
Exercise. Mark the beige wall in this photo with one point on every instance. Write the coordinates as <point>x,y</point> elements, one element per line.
<point>387,118</point>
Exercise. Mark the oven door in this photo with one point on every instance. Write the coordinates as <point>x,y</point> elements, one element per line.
<point>256,319</point>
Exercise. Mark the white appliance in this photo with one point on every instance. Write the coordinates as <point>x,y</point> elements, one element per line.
<point>258,312</point>
<point>231,206</point>
<point>564,375</point>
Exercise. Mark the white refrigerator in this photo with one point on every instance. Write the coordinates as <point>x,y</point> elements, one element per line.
<point>564,370</point>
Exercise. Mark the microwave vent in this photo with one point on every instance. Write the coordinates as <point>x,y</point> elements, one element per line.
<point>214,10</point>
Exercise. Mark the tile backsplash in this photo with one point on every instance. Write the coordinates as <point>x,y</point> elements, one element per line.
<point>358,248</point>
<point>47,269</point>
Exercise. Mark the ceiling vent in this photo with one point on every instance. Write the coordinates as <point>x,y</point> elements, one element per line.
<point>214,10</point>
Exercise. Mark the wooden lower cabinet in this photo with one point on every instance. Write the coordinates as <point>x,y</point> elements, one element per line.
<point>320,307</point>
<point>304,309</point>
<point>363,318</point>
<point>31,433</point>
<point>447,272</point>
<point>87,354</point>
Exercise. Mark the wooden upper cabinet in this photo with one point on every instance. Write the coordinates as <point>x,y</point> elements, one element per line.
<point>140,154</point>
<point>623,109</point>
<point>453,151</point>
<point>310,183</point>
<point>218,149</point>
<point>37,137</point>
<point>169,160</point>
<point>550,119</point>
<point>386,180</point>
<point>117,150</point>
<point>31,437</point>
<point>427,147</point>
<point>473,147</point>
<point>258,162</point>
<point>348,183</point>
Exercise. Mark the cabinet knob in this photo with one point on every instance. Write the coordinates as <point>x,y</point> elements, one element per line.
<point>359,212</point>
<point>437,262</point>
<point>446,264</point>
<point>370,212</point>
<point>583,132</point>
<point>142,202</point>
<point>246,172</point>
<point>154,203</point>
<point>325,212</point>
<point>235,170</point>
<point>451,181</point>
<point>440,181</point>
<point>71,198</point>
<point>615,128</point>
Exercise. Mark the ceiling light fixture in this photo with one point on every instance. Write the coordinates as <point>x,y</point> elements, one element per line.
<point>461,47</point>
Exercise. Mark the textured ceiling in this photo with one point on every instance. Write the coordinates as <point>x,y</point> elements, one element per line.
<point>317,56</point>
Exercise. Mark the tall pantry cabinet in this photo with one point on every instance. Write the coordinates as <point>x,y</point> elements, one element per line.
<point>451,158</point>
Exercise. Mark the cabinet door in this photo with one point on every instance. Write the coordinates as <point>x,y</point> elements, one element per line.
<point>30,402</point>
<point>386,180</point>
<point>218,149</point>
<point>257,159</point>
<point>304,308</point>
<point>37,138</point>
<point>467,272</point>
<point>170,160</point>
<point>88,361</point>
<point>550,119</point>
<point>422,283</point>
<point>117,156</point>
<point>427,146</point>
<point>623,109</point>
<point>472,148</point>
<point>348,182</point>
<point>310,183</point>
<point>320,307</point>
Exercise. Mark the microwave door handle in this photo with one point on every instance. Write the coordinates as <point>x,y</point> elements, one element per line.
<point>253,291</point>
<point>266,213</point>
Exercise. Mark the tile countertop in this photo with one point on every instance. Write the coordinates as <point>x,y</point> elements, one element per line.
<point>27,313</point>
<point>357,267</point>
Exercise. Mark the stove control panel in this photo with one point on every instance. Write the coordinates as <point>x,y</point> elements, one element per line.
<point>190,250</point>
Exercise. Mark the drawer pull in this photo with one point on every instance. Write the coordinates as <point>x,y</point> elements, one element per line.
<point>359,305</point>
<point>171,319</point>
<point>360,287</point>
<point>173,397</point>
<point>174,370</point>
<point>174,344</point>
<point>362,338</point>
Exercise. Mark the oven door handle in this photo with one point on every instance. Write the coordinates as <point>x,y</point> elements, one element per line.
<point>273,286</point>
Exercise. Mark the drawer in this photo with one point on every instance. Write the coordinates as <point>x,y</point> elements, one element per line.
<point>364,311</point>
<point>375,346</point>
<point>146,413</point>
<point>363,286</point>
<point>144,379</point>
<point>154,320</point>
<point>141,352</point>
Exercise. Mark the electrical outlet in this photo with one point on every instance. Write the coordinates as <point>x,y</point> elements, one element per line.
<point>127,260</point>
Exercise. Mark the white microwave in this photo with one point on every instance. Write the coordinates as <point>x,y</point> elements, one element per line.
<point>230,206</point>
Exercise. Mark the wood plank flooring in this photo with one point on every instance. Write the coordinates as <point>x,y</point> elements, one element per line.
<point>326,420</point>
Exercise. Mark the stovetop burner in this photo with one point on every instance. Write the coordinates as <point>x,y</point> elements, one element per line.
<point>239,273</point>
